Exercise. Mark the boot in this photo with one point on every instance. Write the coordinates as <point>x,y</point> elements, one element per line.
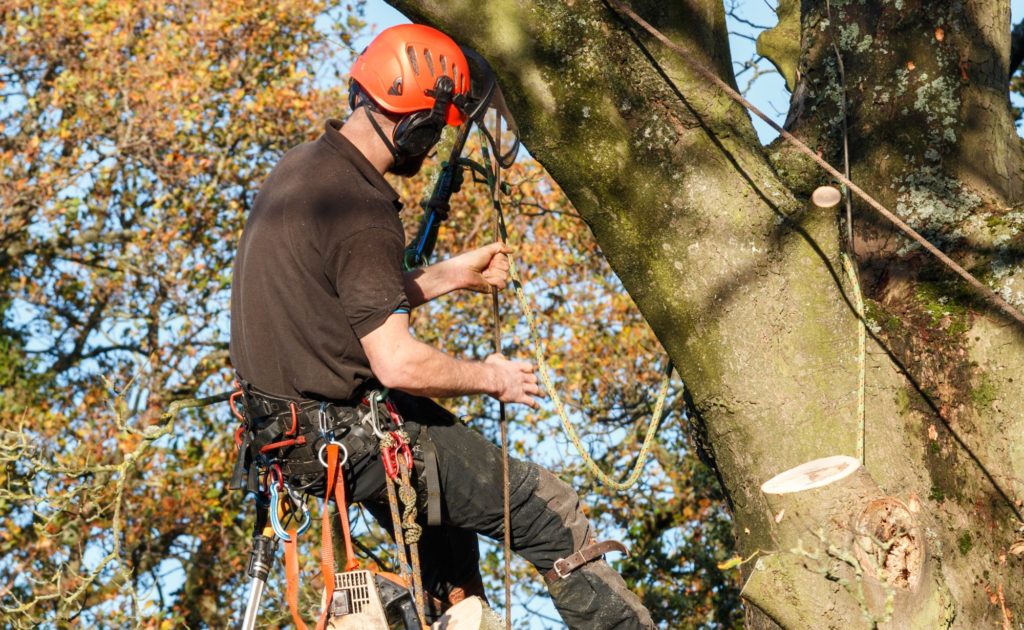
<point>595,597</point>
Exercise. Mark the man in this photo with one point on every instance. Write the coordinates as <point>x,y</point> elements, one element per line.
<point>320,316</point>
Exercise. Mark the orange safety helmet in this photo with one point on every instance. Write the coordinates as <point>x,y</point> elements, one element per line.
<point>400,67</point>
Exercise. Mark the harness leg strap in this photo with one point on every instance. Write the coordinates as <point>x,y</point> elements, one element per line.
<point>432,477</point>
<point>564,566</point>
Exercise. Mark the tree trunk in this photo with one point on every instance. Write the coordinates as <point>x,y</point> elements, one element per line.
<point>743,282</point>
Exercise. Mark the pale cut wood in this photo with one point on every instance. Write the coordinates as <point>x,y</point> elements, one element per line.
<point>833,520</point>
<point>813,474</point>
<point>826,197</point>
<point>469,614</point>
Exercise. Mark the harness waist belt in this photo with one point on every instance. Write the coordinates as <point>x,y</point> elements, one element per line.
<point>299,427</point>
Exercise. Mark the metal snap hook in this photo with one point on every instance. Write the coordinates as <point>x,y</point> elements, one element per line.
<point>323,421</point>
<point>275,519</point>
<point>374,398</point>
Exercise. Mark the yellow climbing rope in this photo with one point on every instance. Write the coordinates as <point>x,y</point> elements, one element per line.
<point>851,273</point>
<point>570,430</point>
<point>545,377</point>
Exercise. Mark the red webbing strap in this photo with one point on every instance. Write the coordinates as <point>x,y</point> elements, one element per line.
<point>291,571</point>
<point>335,487</point>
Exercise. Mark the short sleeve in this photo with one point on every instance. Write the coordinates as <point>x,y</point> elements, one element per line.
<point>366,270</point>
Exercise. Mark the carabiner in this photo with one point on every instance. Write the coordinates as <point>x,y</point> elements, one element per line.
<point>322,418</point>
<point>374,398</point>
<point>275,520</point>
<point>393,411</point>
<point>274,470</point>
<point>391,448</point>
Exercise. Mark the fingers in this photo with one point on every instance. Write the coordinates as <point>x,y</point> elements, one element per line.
<point>531,389</point>
<point>529,397</point>
<point>496,274</point>
<point>498,247</point>
<point>522,387</point>
<point>530,402</point>
<point>495,278</point>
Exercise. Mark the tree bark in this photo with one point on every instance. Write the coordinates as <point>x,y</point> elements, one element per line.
<point>833,520</point>
<point>743,285</point>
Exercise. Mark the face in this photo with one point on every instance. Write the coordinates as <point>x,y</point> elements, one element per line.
<point>408,165</point>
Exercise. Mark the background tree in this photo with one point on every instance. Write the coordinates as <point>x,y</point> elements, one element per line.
<point>133,137</point>
<point>710,233</point>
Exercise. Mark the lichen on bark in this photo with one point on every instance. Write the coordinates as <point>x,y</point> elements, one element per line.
<point>743,286</point>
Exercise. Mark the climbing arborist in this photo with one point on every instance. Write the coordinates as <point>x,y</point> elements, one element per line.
<point>320,327</point>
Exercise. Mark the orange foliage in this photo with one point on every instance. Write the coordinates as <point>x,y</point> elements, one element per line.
<point>133,138</point>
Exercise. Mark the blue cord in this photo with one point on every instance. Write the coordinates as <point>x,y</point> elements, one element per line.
<point>276,523</point>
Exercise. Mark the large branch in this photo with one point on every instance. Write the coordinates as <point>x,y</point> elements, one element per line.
<point>732,276</point>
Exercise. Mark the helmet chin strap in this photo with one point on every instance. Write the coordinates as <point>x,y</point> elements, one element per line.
<point>380,132</point>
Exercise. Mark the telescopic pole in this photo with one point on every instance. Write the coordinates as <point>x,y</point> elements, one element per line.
<point>261,559</point>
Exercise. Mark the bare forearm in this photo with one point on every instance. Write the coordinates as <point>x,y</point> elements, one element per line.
<point>425,371</point>
<point>400,362</point>
<point>427,283</point>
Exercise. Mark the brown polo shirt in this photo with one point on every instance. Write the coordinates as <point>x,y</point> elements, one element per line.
<point>318,267</point>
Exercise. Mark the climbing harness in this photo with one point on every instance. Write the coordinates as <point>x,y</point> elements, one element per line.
<point>278,441</point>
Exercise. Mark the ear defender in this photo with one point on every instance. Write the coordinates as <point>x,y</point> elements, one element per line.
<point>418,132</point>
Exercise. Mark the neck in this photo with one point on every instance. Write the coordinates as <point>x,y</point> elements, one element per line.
<point>360,132</point>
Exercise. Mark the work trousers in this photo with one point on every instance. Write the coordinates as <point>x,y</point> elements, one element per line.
<point>546,520</point>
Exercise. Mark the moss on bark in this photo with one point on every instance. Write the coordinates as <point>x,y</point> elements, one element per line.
<point>742,285</point>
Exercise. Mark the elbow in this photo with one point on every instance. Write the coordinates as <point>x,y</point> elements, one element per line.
<point>391,352</point>
<point>393,370</point>
<point>390,375</point>
<point>387,371</point>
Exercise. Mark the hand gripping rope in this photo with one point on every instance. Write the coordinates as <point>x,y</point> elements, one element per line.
<point>488,172</point>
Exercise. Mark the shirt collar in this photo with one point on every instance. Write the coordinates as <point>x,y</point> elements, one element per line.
<point>332,136</point>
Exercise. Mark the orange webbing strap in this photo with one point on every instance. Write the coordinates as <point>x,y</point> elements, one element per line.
<point>291,571</point>
<point>335,487</point>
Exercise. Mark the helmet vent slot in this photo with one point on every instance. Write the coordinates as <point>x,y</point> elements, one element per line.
<point>411,53</point>
<point>429,60</point>
<point>444,64</point>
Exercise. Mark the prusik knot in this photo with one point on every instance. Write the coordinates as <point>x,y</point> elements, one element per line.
<point>413,530</point>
